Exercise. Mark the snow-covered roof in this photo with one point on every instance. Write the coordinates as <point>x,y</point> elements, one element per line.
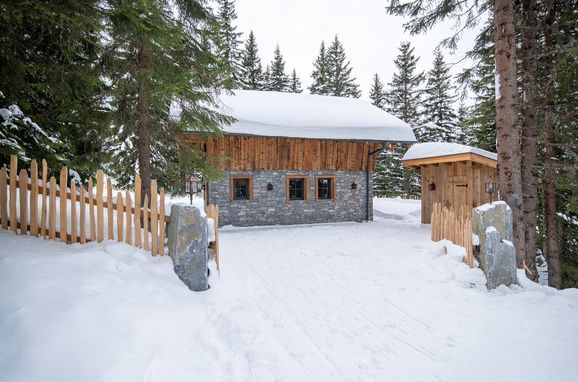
<point>439,149</point>
<point>276,114</point>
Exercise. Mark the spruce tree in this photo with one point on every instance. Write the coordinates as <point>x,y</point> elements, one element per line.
<point>439,98</point>
<point>377,92</point>
<point>295,84</point>
<point>229,38</point>
<point>157,63</point>
<point>278,79</point>
<point>266,78</point>
<point>320,73</point>
<point>340,83</point>
<point>251,71</point>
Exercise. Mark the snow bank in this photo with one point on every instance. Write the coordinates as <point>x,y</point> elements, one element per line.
<point>437,149</point>
<point>311,116</point>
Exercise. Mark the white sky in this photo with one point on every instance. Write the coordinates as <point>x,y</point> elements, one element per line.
<point>370,37</point>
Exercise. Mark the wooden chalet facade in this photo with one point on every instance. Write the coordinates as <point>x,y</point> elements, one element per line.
<point>294,158</point>
<point>451,174</point>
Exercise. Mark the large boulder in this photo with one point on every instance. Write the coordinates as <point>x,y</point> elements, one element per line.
<point>187,243</point>
<point>492,223</point>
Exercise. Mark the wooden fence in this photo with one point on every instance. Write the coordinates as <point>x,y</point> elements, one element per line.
<point>212,211</point>
<point>454,225</point>
<point>40,207</point>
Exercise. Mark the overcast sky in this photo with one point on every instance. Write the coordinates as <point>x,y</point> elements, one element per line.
<point>370,37</point>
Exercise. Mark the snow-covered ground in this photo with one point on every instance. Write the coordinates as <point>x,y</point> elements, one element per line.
<point>337,302</point>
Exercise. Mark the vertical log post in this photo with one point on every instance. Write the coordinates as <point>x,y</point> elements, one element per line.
<point>99,208</point>
<point>154,219</point>
<point>43,209</point>
<point>63,201</point>
<point>34,198</point>
<point>13,174</point>
<point>137,209</point>
<point>127,210</point>
<point>91,210</point>
<point>119,217</point>
<point>162,222</point>
<point>82,215</point>
<point>145,223</point>
<point>109,210</point>
<point>73,226</point>
<point>4,197</point>
<point>52,210</point>
<point>23,193</point>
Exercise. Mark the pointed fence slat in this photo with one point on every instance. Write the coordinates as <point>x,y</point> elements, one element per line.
<point>162,222</point>
<point>82,216</point>
<point>145,223</point>
<point>154,219</point>
<point>13,170</point>
<point>43,208</point>
<point>91,210</point>
<point>73,226</point>
<point>23,193</point>
<point>119,216</point>
<point>110,210</point>
<point>63,202</point>
<point>137,209</point>
<point>4,197</point>
<point>34,198</point>
<point>99,210</point>
<point>52,210</point>
<point>454,225</point>
<point>128,215</point>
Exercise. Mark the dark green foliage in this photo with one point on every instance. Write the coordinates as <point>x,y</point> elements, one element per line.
<point>277,78</point>
<point>49,68</point>
<point>320,73</point>
<point>377,92</point>
<point>251,71</point>
<point>295,84</point>
<point>229,40</point>
<point>438,101</point>
<point>340,82</point>
<point>391,179</point>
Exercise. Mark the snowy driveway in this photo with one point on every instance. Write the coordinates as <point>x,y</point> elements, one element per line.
<point>335,302</point>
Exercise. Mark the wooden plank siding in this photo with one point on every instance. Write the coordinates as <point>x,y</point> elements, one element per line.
<point>235,152</point>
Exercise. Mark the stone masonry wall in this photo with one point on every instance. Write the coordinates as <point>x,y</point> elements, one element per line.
<point>271,207</point>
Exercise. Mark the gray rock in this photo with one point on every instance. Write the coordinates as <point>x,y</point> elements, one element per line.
<point>492,223</point>
<point>187,243</point>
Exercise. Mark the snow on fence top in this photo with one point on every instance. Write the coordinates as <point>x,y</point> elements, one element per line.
<point>439,149</point>
<point>277,114</point>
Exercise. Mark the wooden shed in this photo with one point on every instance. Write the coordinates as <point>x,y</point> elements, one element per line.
<point>451,174</point>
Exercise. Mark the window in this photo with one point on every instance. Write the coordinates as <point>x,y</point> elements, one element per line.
<point>241,187</point>
<point>324,188</point>
<point>297,188</point>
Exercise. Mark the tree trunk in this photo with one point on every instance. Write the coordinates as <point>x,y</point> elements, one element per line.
<point>529,136</point>
<point>552,233</point>
<point>507,132</point>
<point>144,122</point>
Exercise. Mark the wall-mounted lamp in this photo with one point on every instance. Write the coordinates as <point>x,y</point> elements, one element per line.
<point>269,187</point>
<point>432,186</point>
<point>354,186</point>
<point>490,187</point>
<point>192,186</point>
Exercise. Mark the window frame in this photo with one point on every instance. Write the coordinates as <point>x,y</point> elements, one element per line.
<point>305,188</point>
<point>232,179</point>
<point>332,187</point>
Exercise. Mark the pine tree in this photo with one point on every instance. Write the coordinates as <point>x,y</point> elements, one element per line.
<point>266,78</point>
<point>278,79</point>
<point>251,71</point>
<point>340,82</point>
<point>295,85</point>
<point>320,73</point>
<point>229,38</point>
<point>439,98</point>
<point>377,92</point>
<point>159,61</point>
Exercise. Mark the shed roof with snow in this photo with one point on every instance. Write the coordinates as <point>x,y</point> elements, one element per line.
<point>443,152</point>
<point>292,115</point>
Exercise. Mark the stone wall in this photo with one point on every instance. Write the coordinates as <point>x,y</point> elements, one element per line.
<point>271,207</point>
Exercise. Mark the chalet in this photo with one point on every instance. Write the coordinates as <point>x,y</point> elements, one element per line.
<point>451,174</point>
<point>298,158</point>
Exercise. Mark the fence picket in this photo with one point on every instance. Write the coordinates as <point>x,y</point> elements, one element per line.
<point>145,223</point>
<point>154,219</point>
<point>119,216</point>
<point>128,232</point>
<point>4,197</point>
<point>23,193</point>
<point>34,198</point>
<point>162,222</point>
<point>109,211</point>
<point>63,201</point>
<point>99,211</point>
<point>137,209</point>
<point>91,210</point>
<point>52,210</point>
<point>13,215</point>
<point>73,212</point>
<point>82,215</point>
<point>43,209</point>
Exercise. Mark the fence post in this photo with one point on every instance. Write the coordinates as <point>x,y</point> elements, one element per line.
<point>3,197</point>
<point>146,224</point>
<point>72,212</point>
<point>82,215</point>
<point>162,222</point>
<point>13,171</point>
<point>154,219</point>
<point>43,210</point>
<point>23,191</point>
<point>99,209</point>
<point>137,209</point>
<point>62,195</point>
<point>34,198</point>
<point>52,210</point>
<point>127,211</point>
<point>109,210</point>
